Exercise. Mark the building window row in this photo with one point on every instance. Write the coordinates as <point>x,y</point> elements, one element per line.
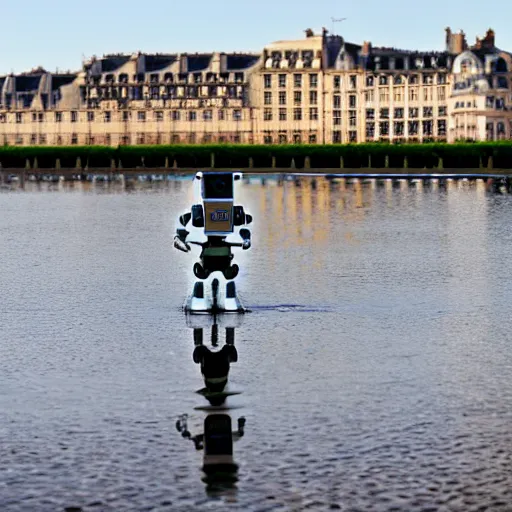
<point>297,80</point>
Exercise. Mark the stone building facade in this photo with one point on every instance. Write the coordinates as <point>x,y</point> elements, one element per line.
<point>318,90</point>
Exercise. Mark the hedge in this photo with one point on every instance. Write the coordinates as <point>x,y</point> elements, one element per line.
<point>374,155</point>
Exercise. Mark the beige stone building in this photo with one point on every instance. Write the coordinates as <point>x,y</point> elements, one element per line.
<point>316,90</point>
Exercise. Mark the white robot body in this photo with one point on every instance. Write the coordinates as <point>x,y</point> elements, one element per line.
<point>216,225</point>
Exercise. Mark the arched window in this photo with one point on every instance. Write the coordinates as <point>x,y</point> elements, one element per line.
<point>500,66</point>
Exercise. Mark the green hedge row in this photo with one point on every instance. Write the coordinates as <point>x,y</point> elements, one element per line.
<point>376,155</point>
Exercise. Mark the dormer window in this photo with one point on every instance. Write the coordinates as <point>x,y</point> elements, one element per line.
<point>123,78</point>
<point>154,78</point>
<point>168,77</point>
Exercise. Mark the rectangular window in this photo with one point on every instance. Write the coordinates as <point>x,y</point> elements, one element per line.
<point>383,80</point>
<point>352,118</point>
<point>442,111</point>
<point>222,115</point>
<point>413,79</point>
<point>282,114</point>
<point>399,129</point>
<point>413,128</point>
<point>237,115</point>
<point>58,117</point>
<point>74,117</point>
<point>282,138</point>
<point>297,80</point>
<point>427,94</point>
<point>384,95</point>
<point>398,94</point>
<point>19,117</point>
<point>267,114</point>
<point>159,116</point>
<point>353,81</point>
<point>267,98</point>
<point>141,116</point>
<point>207,115</point>
<point>282,98</point>
<point>297,139</point>
<point>192,115</point>
<point>90,116</point>
<point>74,139</point>
<point>107,116</point>
<point>267,81</point>
<point>384,113</point>
<point>175,115</point>
<point>370,113</point>
<point>336,101</point>
<point>313,81</point>
<point>352,136</point>
<point>42,138</point>
<point>441,128</point>
<point>337,82</point>
<point>428,79</point>
<point>384,128</point>
<point>441,93</point>
<point>336,137</point>
<point>312,138</point>
<point>313,114</point>
<point>370,82</point>
<point>441,78</point>
<point>34,117</point>
<point>313,97</point>
<point>352,101</point>
<point>267,139</point>
<point>282,81</point>
<point>427,111</point>
<point>33,139</point>
<point>413,94</point>
<point>414,112</point>
<point>336,117</point>
<point>399,113</point>
<point>297,114</point>
<point>428,128</point>
<point>369,96</point>
<point>125,115</point>
<point>297,97</point>
<point>370,130</point>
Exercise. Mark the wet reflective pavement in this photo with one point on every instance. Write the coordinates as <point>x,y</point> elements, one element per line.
<point>373,373</point>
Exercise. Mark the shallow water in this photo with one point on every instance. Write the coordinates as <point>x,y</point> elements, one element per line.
<point>374,369</point>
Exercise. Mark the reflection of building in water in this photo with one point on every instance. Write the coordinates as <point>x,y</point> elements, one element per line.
<point>319,89</point>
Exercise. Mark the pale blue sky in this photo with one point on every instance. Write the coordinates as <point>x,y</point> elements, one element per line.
<point>56,33</point>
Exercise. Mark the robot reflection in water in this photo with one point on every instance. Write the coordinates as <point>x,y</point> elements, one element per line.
<point>215,224</point>
<point>218,436</point>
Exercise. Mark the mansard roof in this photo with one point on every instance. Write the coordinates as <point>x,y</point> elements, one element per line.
<point>26,83</point>
<point>198,62</point>
<point>59,80</point>
<point>241,61</point>
<point>158,62</point>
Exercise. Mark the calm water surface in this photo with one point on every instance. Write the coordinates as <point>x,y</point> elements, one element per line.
<point>375,369</point>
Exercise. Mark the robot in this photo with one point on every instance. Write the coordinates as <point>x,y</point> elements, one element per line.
<point>216,225</point>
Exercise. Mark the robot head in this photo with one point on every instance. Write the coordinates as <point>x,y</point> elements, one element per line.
<point>216,193</point>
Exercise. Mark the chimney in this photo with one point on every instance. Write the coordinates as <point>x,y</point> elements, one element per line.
<point>448,39</point>
<point>488,41</point>
<point>367,48</point>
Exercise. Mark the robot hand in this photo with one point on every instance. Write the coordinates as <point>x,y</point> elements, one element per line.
<point>246,236</point>
<point>180,244</point>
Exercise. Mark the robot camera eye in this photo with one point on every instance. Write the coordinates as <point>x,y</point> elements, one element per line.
<point>218,186</point>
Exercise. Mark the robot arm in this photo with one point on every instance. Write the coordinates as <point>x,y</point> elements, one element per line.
<point>180,239</point>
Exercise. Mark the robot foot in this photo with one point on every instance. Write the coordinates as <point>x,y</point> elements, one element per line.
<point>214,300</point>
